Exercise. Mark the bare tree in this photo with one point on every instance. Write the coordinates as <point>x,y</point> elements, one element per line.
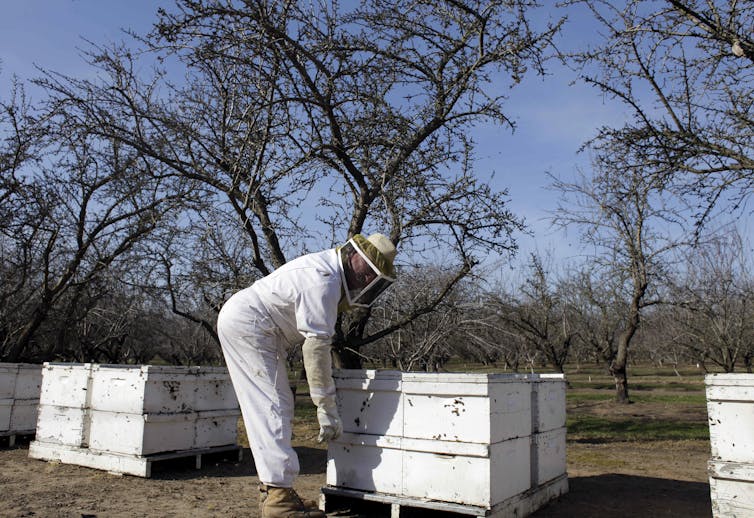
<point>427,340</point>
<point>631,228</point>
<point>487,337</point>
<point>80,205</point>
<point>713,316</point>
<point>362,115</point>
<point>683,68</point>
<point>539,313</point>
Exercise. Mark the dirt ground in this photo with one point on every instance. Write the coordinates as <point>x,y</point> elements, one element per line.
<point>666,478</point>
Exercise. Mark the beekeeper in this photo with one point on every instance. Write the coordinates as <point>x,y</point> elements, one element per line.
<point>297,303</point>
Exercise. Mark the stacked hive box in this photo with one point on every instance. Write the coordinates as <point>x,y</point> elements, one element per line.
<point>730,408</point>
<point>113,416</point>
<point>548,428</point>
<point>19,397</point>
<point>63,405</point>
<point>494,443</point>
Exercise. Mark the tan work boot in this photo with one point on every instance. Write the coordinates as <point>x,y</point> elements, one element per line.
<point>284,502</point>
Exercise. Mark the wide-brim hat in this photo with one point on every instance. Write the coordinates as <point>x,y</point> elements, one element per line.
<point>386,247</point>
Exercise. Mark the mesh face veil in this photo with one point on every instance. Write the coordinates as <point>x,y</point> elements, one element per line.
<point>364,281</point>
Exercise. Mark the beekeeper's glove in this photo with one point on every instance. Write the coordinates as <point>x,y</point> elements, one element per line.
<point>318,365</point>
<point>330,425</point>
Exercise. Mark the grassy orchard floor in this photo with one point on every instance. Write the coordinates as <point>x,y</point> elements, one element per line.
<point>646,459</point>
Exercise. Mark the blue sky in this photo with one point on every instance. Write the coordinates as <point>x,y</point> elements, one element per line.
<point>553,119</point>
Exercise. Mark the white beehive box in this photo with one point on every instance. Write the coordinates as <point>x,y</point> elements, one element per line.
<point>19,396</point>
<point>23,417</point>
<point>448,471</point>
<point>140,434</point>
<point>730,408</point>
<point>548,401</point>
<point>6,407</point>
<point>8,372</point>
<point>216,428</point>
<point>20,380</point>
<point>134,410</point>
<point>463,439</point>
<point>63,404</point>
<point>548,454</point>
<point>153,389</point>
<point>478,408</point>
<point>731,489</point>
<point>366,462</point>
<point>28,381</point>
<point>466,473</point>
<point>65,385</point>
<point>62,425</point>
<point>147,434</point>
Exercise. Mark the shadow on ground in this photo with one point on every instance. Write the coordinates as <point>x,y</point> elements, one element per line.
<point>628,495</point>
<point>313,461</point>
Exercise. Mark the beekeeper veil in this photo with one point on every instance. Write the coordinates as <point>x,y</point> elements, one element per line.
<point>363,281</point>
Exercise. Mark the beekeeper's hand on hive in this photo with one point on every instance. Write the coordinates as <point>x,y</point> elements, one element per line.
<point>298,302</point>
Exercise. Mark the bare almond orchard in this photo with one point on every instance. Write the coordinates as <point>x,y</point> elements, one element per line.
<point>636,478</point>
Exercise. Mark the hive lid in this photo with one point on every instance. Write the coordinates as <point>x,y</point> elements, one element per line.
<point>732,379</point>
<point>65,365</point>
<point>464,377</point>
<point>161,371</point>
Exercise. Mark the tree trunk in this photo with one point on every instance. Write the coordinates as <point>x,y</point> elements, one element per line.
<point>350,360</point>
<point>621,383</point>
<point>19,349</point>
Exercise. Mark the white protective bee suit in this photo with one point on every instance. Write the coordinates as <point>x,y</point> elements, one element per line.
<point>296,303</point>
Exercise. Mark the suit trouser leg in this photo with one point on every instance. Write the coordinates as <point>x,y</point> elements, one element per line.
<point>255,358</point>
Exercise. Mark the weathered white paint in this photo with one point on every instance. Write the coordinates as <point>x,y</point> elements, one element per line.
<point>730,408</point>
<point>8,374</point>
<point>140,434</point>
<point>548,455</point>
<point>23,417</point>
<point>468,479</point>
<point>65,384</point>
<point>548,401</point>
<point>146,434</point>
<point>62,425</point>
<point>731,489</point>
<point>19,397</point>
<point>482,408</point>
<point>370,402</point>
<point>216,428</point>
<point>366,462</point>
<point>28,381</point>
